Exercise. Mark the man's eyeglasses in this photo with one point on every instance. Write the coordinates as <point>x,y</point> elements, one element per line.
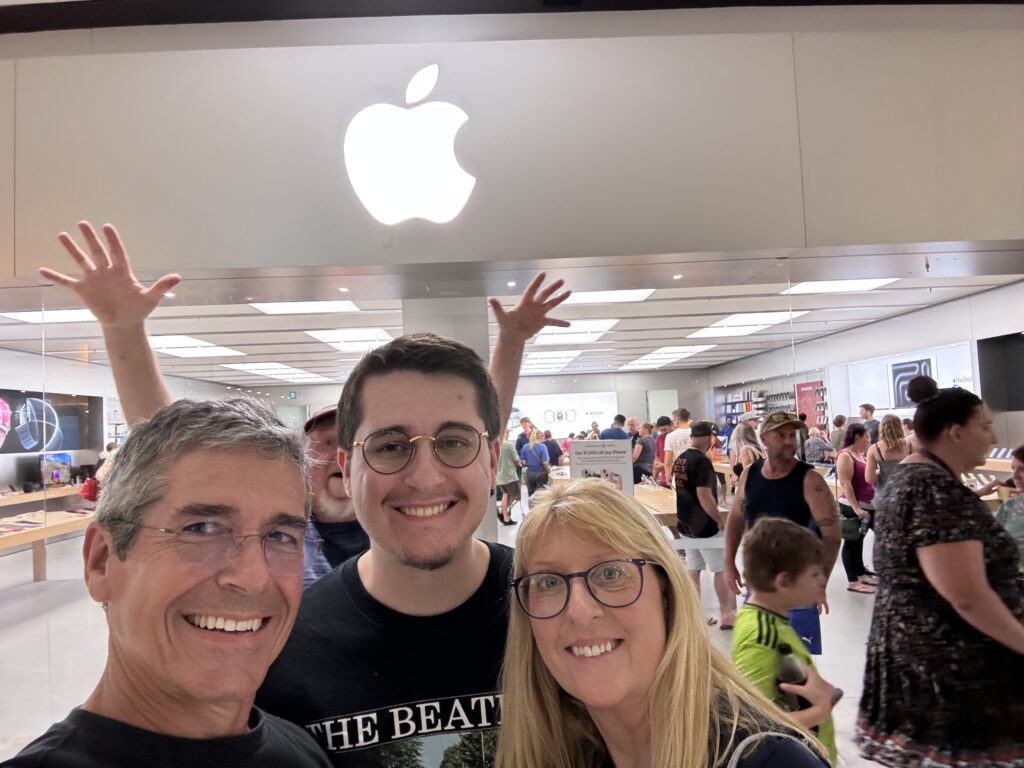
<point>613,583</point>
<point>211,545</point>
<point>390,450</point>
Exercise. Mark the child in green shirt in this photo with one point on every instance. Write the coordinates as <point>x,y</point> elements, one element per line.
<point>782,564</point>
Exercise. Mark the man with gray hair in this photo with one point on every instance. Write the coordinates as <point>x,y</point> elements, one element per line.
<point>196,556</point>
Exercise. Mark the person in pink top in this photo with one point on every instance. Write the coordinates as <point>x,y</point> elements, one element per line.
<point>855,503</point>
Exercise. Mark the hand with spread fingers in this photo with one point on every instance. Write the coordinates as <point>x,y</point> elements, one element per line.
<point>530,314</point>
<point>107,285</point>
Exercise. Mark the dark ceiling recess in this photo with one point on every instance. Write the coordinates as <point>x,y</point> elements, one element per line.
<point>85,14</point>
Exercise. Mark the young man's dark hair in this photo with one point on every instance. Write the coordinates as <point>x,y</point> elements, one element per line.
<point>423,353</point>
<point>663,421</point>
<point>681,414</point>
<point>619,420</point>
<point>775,545</point>
<point>868,407</point>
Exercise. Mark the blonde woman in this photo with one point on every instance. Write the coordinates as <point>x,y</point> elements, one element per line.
<point>892,448</point>
<point>745,447</point>
<point>537,462</point>
<point>608,662</point>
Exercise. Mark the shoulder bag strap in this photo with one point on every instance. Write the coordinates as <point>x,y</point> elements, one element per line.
<point>754,740</point>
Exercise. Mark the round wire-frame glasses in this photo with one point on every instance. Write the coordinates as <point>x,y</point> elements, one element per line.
<point>612,583</point>
<point>390,450</point>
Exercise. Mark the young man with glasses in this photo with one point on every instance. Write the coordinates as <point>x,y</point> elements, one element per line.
<point>196,557</point>
<point>780,485</point>
<point>396,654</point>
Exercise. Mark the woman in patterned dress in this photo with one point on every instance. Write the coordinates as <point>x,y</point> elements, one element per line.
<point>944,683</point>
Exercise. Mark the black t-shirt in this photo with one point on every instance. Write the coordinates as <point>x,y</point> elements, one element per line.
<point>377,687</point>
<point>87,740</point>
<point>554,451</point>
<point>693,470</point>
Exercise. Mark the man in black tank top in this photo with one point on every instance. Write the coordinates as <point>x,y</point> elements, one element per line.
<point>781,486</point>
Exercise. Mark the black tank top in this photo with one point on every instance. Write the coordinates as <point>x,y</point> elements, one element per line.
<point>776,498</point>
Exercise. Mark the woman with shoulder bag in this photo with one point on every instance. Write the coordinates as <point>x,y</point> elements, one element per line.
<point>537,462</point>
<point>855,507</point>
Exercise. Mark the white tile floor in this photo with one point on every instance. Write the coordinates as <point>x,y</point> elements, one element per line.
<point>53,645</point>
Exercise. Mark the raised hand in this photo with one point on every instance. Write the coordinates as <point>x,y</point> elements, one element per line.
<point>530,314</point>
<point>107,287</point>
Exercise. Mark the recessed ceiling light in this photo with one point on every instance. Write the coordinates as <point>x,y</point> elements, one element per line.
<point>53,316</point>
<point>759,318</point>
<point>305,307</point>
<point>581,332</point>
<point>186,346</point>
<point>677,277</point>
<point>170,295</point>
<point>352,339</point>
<point>839,286</point>
<point>721,331</point>
<point>664,356</point>
<point>343,290</point>
<point>608,297</point>
<point>511,283</point>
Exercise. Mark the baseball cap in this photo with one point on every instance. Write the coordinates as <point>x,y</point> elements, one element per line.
<point>701,429</point>
<point>318,418</point>
<point>780,419</point>
<point>749,416</point>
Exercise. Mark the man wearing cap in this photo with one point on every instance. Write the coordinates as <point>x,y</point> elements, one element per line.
<point>333,534</point>
<point>698,517</point>
<point>753,418</point>
<point>781,486</point>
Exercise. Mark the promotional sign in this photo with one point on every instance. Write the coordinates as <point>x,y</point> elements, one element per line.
<point>810,399</point>
<point>565,413</point>
<point>609,460</point>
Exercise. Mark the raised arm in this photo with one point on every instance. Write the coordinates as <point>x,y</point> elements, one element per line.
<point>121,304</point>
<point>515,327</point>
<point>871,466</point>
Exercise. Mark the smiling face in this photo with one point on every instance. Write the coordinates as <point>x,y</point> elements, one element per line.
<point>424,514</point>
<point>612,680</point>
<point>156,595</point>
<point>331,502</point>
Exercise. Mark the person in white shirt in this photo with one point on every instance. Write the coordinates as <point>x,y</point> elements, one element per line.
<point>678,440</point>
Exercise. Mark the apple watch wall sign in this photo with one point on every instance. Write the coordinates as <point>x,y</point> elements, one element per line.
<point>402,163</point>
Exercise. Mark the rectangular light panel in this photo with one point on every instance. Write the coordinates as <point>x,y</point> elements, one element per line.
<point>352,339</point>
<point>305,307</point>
<point>580,332</point>
<point>186,346</point>
<point>838,286</point>
<point>664,356</point>
<point>608,297</point>
<point>279,371</point>
<point>53,316</point>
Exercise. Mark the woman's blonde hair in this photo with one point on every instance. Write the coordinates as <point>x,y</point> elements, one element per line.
<point>697,702</point>
<point>536,437</point>
<point>744,436</point>
<point>890,432</point>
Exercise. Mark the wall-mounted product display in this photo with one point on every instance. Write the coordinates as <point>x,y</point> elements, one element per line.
<point>779,401</point>
<point>743,401</point>
<point>31,422</point>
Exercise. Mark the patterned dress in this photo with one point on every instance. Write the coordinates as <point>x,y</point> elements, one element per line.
<point>938,692</point>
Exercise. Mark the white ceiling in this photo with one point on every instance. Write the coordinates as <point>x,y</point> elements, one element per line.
<point>213,306</point>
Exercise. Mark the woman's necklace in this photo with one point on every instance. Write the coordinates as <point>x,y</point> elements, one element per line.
<point>939,462</point>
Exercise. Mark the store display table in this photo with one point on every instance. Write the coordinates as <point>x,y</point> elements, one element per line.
<point>35,528</point>
<point>37,497</point>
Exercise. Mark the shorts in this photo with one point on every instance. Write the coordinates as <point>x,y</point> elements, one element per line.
<point>512,490</point>
<point>711,559</point>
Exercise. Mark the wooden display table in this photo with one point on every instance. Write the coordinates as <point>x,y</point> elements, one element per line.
<point>39,497</point>
<point>662,504</point>
<point>47,525</point>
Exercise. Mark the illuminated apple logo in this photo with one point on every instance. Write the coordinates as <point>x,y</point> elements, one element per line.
<point>401,162</point>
